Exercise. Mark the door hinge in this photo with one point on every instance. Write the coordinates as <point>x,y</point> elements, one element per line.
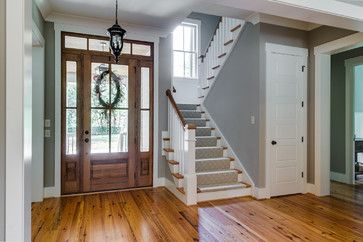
<point>303,68</point>
<point>302,174</point>
<point>302,104</point>
<point>302,139</point>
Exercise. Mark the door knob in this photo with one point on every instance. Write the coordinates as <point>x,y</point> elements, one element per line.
<point>273,142</point>
<point>86,140</point>
<point>86,132</point>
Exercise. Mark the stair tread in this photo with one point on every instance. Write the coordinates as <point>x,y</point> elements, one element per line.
<point>173,162</point>
<point>214,159</point>
<point>168,150</point>
<point>218,172</point>
<point>178,175</point>
<point>181,189</point>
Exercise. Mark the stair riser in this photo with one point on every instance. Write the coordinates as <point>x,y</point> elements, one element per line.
<point>219,178</point>
<point>178,182</point>
<point>198,122</point>
<point>208,153</point>
<point>174,168</point>
<point>205,166</point>
<point>203,132</point>
<point>206,142</point>
<point>192,114</point>
<point>187,107</point>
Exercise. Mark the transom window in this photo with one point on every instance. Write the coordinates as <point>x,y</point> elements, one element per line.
<point>185,50</point>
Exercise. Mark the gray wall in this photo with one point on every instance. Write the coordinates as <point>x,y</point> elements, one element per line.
<point>317,37</point>
<point>2,120</point>
<point>337,137</point>
<point>49,143</point>
<point>209,24</point>
<point>238,86</point>
<point>165,77</point>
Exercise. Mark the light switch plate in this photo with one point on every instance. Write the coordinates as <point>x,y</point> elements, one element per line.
<point>253,120</point>
<point>47,123</point>
<point>47,133</point>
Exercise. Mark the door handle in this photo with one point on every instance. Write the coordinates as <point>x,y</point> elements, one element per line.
<point>273,142</point>
<point>86,132</point>
<point>86,140</point>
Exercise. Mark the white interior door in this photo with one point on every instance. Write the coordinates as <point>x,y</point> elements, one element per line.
<point>286,120</point>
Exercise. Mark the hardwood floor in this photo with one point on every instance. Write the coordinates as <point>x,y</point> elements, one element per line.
<point>156,215</point>
<point>350,193</point>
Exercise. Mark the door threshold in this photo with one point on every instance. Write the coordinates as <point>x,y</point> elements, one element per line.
<point>109,191</point>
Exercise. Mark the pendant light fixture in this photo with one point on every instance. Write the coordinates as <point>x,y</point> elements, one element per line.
<point>116,34</point>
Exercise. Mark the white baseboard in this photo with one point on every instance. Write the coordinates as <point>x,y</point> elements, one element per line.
<point>260,193</point>
<point>159,182</point>
<point>310,188</point>
<point>50,192</point>
<point>339,177</point>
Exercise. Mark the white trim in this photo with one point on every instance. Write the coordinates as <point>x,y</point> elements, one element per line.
<point>159,182</point>
<point>322,106</point>
<point>296,51</point>
<point>50,192</point>
<point>350,117</point>
<point>96,30</point>
<point>260,193</point>
<point>310,188</point>
<point>339,177</point>
<point>18,120</point>
<point>256,18</point>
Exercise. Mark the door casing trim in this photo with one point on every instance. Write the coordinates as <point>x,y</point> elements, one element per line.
<point>58,28</point>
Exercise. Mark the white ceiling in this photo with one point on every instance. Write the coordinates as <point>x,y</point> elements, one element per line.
<point>353,2</point>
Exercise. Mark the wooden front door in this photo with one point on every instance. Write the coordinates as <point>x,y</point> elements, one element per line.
<point>107,120</point>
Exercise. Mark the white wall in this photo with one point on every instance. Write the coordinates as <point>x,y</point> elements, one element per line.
<point>186,90</point>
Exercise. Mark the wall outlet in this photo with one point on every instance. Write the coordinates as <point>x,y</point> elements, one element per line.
<point>47,133</point>
<point>47,123</point>
<point>253,119</point>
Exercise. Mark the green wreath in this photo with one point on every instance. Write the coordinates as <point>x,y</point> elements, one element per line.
<point>119,93</point>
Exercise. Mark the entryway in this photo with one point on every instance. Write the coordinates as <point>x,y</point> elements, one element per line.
<point>107,115</point>
<point>286,119</point>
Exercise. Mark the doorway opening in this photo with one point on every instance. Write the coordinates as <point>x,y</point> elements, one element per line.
<point>107,115</point>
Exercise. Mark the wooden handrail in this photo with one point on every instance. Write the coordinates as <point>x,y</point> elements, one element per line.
<point>173,104</point>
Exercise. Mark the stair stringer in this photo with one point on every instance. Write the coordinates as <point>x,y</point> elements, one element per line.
<point>246,178</point>
<point>172,186</point>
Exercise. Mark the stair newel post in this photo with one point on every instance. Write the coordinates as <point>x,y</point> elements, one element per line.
<point>190,177</point>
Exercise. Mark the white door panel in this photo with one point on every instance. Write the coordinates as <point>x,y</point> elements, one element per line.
<point>285,93</point>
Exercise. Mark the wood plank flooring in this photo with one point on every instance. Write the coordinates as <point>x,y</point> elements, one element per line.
<point>350,193</point>
<point>156,215</point>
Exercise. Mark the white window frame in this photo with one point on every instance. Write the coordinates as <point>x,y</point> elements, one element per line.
<point>197,44</point>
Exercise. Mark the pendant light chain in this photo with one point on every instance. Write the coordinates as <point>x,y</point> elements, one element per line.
<point>116,11</point>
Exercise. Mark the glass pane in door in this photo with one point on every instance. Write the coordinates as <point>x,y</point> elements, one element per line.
<point>145,110</point>
<point>101,77</point>
<point>119,131</point>
<point>100,141</point>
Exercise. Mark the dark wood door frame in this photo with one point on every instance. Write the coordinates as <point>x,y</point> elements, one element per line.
<point>77,174</point>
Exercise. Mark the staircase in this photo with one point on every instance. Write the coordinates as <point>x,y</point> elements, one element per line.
<point>201,166</point>
<point>214,170</point>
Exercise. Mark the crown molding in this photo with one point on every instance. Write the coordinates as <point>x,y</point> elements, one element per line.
<point>256,18</point>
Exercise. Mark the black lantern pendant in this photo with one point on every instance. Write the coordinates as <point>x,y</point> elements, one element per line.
<point>116,37</point>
